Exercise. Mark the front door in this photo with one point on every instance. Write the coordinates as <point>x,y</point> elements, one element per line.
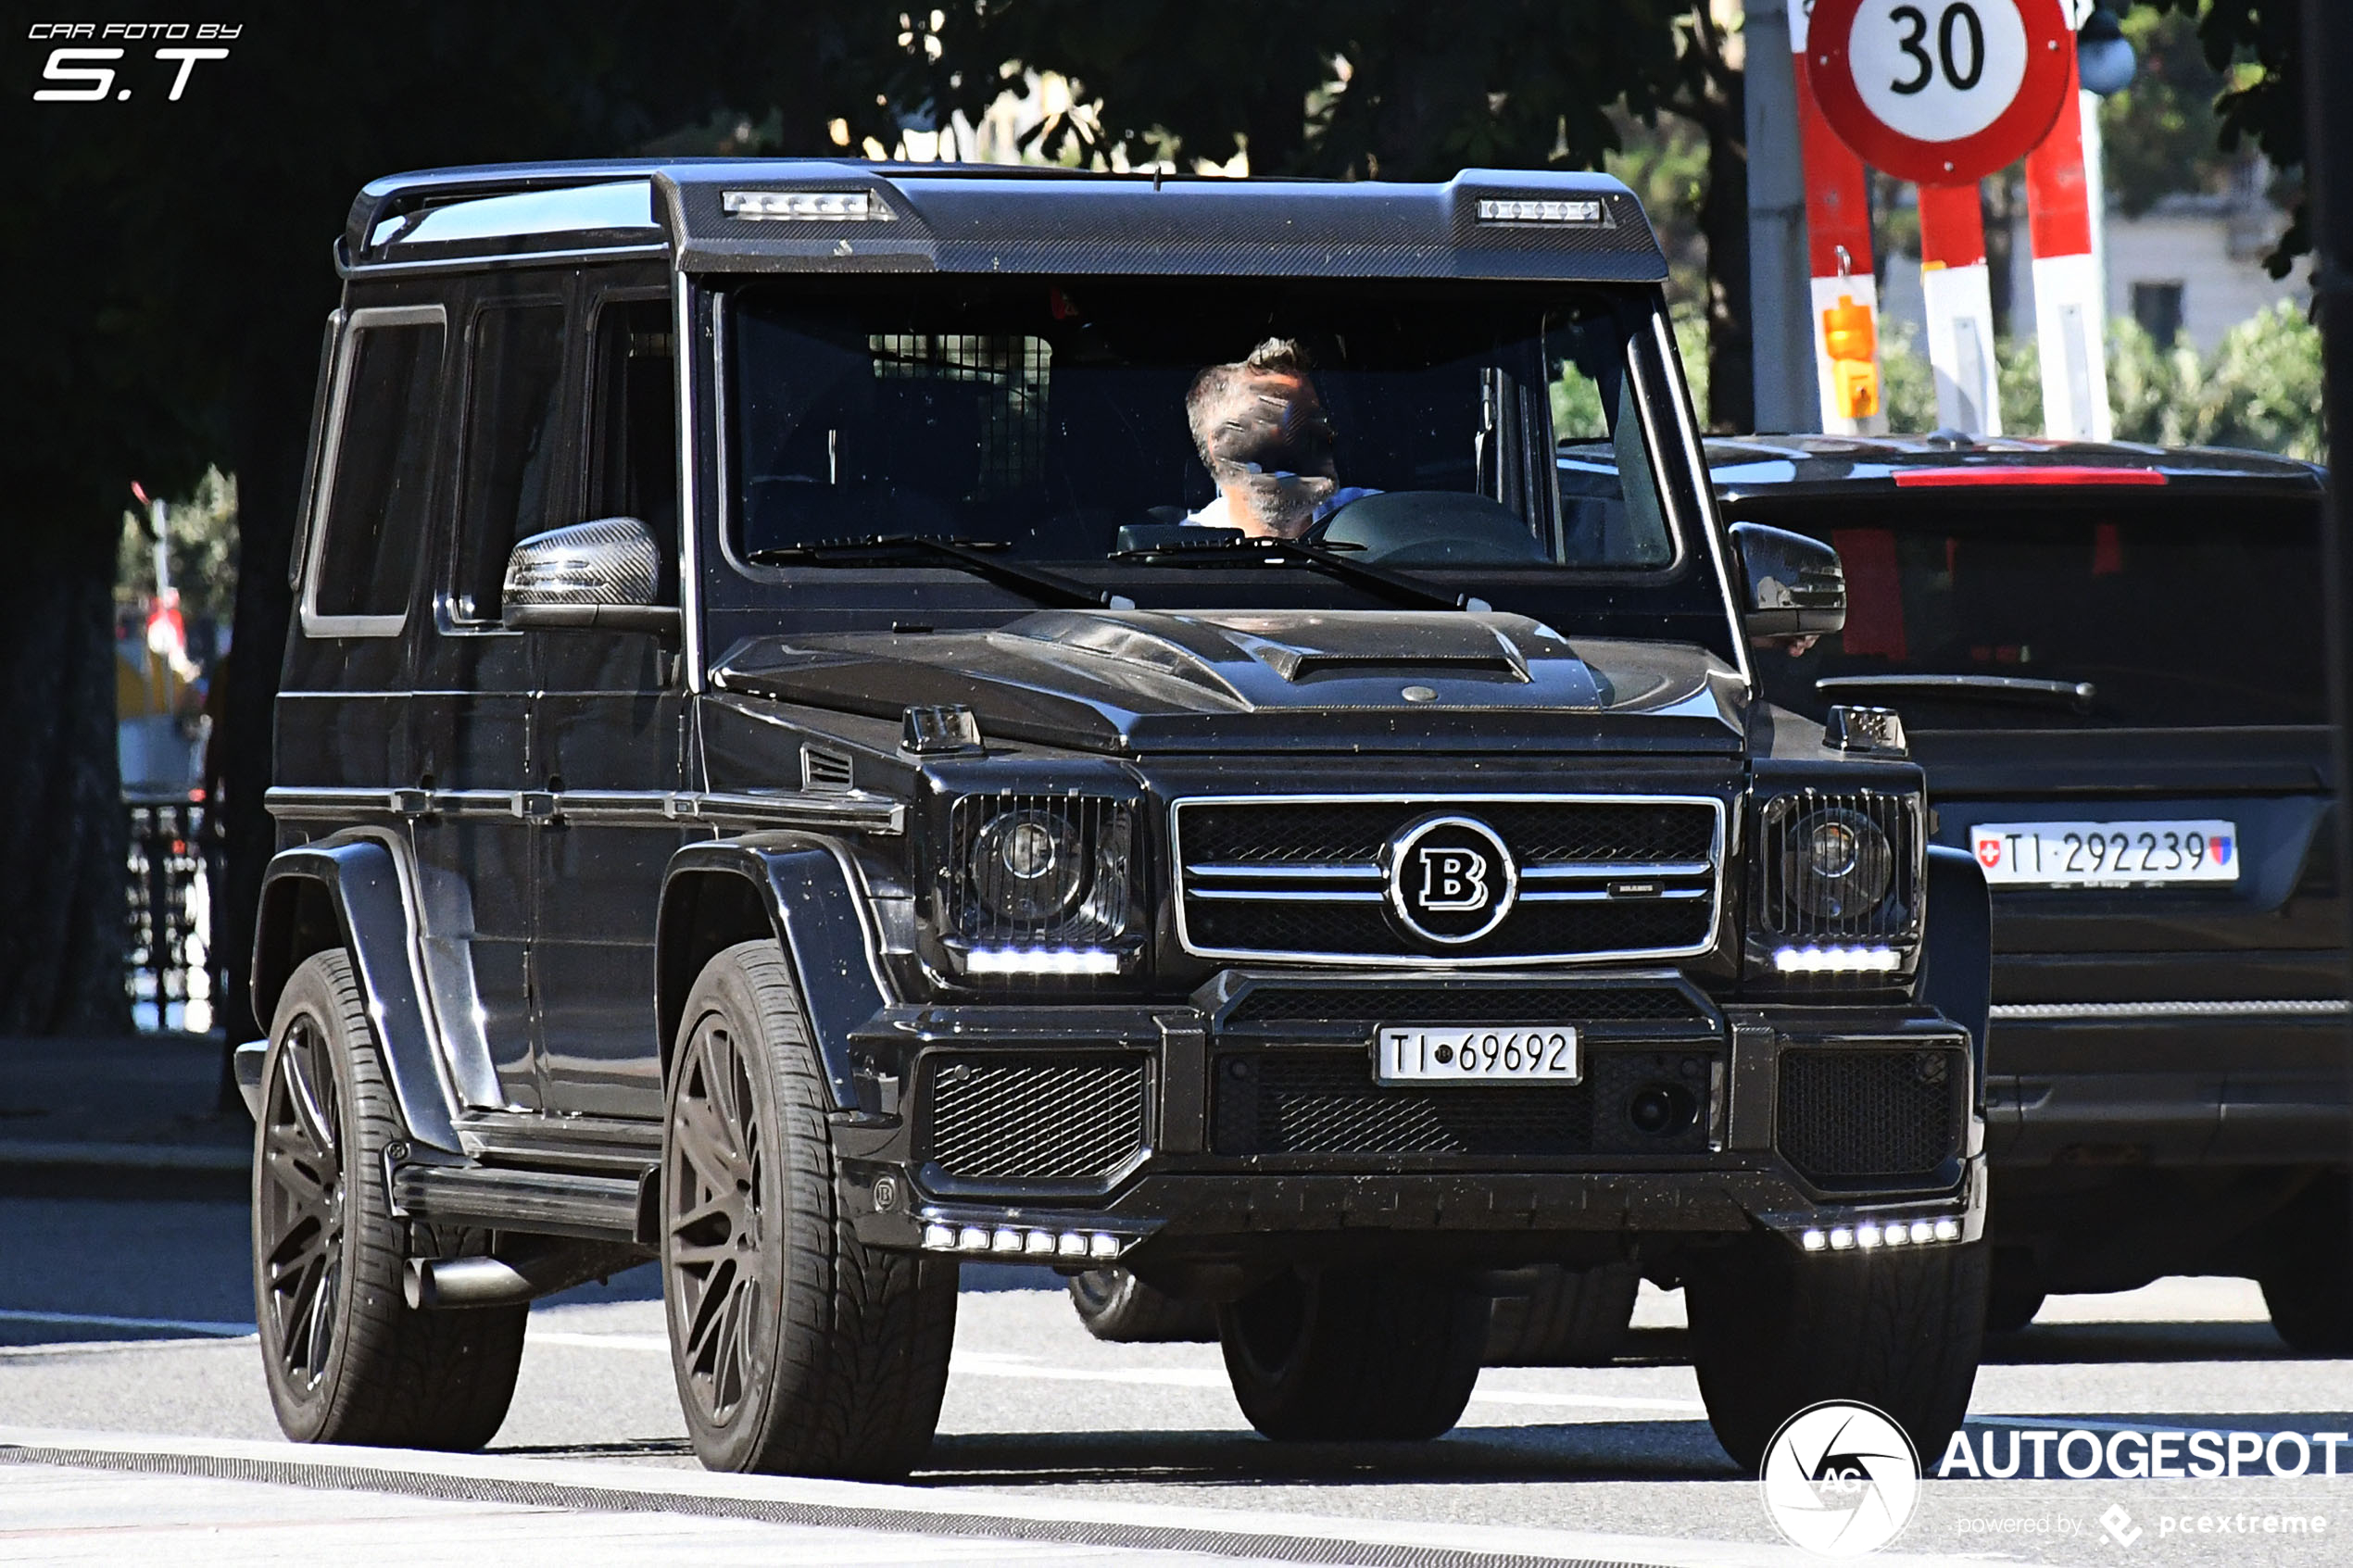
<point>473,840</point>
<point>608,745</point>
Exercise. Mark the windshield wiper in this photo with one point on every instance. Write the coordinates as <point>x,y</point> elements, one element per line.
<point>1394,586</point>
<point>2076,696</point>
<point>1046,588</point>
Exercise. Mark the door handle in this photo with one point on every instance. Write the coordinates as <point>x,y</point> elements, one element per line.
<point>536,805</point>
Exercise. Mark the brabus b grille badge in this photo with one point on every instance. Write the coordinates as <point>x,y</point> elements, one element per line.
<point>1451,879</point>
<point>1447,881</point>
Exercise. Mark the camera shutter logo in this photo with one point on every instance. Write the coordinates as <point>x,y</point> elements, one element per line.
<point>1841,1479</point>
<point>1451,880</point>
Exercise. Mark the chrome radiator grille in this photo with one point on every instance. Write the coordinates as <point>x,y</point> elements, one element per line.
<point>1612,877</point>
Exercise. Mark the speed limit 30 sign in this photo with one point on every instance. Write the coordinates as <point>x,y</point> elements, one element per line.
<point>1940,91</point>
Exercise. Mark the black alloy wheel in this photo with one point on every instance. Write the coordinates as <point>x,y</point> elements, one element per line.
<point>795,1348</point>
<point>715,1202</point>
<point>298,1207</point>
<point>347,1358</point>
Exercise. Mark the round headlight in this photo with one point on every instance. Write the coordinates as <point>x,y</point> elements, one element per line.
<point>1839,865</point>
<point>1028,867</point>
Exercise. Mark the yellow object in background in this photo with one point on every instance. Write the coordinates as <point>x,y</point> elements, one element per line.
<point>1850,335</point>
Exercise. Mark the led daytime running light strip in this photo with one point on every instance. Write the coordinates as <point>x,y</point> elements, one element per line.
<point>1837,961</point>
<point>1042,961</point>
<point>1018,1241</point>
<point>1871,1235</point>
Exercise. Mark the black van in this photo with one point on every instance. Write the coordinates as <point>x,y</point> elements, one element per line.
<point>844,718</point>
<point>2111,660</point>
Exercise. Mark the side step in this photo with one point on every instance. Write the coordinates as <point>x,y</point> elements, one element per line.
<point>539,1202</point>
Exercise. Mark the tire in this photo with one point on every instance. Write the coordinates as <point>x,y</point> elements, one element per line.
<point>1572,1317</point>
<point>1348,1354</point>
<point>796,1349</point>
<point>1116,1306</point>
<point>347,1361</point>
<point>2308,1281</point>
<point>1774,1330</point>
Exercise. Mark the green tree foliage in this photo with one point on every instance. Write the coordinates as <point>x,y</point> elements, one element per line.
<point>2161,134</point>
<point>203,558</point>
<point>2255,45</point>
<point>2260,388</point>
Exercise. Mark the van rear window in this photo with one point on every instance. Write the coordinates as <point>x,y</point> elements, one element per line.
<point>2180,611</point>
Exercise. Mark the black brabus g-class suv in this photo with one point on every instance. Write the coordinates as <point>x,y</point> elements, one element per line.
<point>844,718</point>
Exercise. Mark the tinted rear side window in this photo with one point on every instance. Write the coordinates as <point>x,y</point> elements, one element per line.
<point>512,389</point>
<point>2179,612</point>
<point>383,471</point>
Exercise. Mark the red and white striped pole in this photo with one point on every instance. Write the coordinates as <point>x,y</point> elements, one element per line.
<point>1959,297</point>
<point>1845,294</point>
<point>2070,315</point>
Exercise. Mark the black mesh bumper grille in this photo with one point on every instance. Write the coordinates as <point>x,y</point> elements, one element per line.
<point>1858,1117</point>
<point>1063,1118</point>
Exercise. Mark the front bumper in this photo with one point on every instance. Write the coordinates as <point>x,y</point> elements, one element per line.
<point>1257,1129</point>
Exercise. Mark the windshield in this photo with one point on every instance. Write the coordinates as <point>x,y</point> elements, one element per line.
<point>2178,613</point>
<point>1120,423</point>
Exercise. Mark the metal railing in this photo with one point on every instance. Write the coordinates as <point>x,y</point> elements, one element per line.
<point>173,969</point>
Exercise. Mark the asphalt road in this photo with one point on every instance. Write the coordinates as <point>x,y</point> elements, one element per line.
<point>125,1323</point>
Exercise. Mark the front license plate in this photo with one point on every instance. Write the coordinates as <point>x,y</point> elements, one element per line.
<point>2106,853</point>
<point>1535,1054</point>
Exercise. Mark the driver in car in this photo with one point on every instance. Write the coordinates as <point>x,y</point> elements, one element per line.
<point>1263,434</point>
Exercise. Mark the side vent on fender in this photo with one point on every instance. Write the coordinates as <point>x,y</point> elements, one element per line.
<point>824,770</point>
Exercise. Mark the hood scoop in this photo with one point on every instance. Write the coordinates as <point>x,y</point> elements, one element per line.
<point>1305,647</point>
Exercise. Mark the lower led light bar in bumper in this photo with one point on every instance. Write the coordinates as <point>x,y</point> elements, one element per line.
<point>1868,1235</point>
<point>1024,1241</point>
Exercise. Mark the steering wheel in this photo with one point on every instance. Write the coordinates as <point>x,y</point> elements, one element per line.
<point>1430,528</point>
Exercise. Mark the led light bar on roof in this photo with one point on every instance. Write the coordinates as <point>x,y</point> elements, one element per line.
<point>2023,473</point>
<point>1522,210</point>
<point>832,205</point>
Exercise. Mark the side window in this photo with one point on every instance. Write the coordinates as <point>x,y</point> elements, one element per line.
<point>1610,514</point>
<point>515,383</point>
<point>633,446</point>
<point>377,473</point>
